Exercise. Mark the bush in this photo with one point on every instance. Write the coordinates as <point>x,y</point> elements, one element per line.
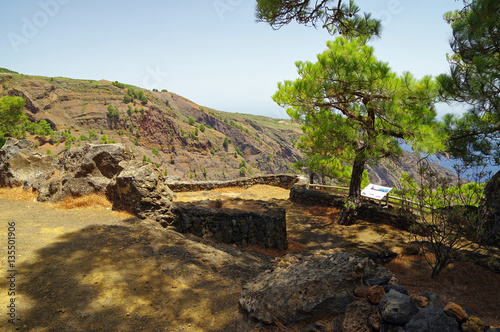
<point>127,99</point>
<point>451,218</point>
<point>243,171</point>
<point>113,112</point>
<point>226,143</point>
<point>119,85</point>
<point>92,134</point>
<point>156,152</point>
<point>202,128</point>
<point>191,121</point>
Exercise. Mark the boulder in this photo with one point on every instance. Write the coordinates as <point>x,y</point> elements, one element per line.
<point>489,210</point>
<point>316,286</point>
<point>140,188</point>
<point>420,301</point>
<point>360,316</point>
<point>454,310</point>
<point>474,324</point>
<point>432,319</point>
<point>397,308</point>
<point>85,170</point>
<point>21,162</point>
<point>97,160</point>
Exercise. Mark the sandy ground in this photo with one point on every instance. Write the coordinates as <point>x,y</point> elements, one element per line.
<point>94,269</point>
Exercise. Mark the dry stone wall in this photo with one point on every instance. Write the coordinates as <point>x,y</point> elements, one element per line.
<point>286,181</point>
<point>265,227</point>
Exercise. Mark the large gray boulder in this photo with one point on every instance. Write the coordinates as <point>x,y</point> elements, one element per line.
<point>85,170</point>
<point>21,162</point>
<point>140,188</point>
<point>316,286</point>
<point>432,319</point>
<point>489,210</point>
<point>101,160</point>
<point>397,308</point>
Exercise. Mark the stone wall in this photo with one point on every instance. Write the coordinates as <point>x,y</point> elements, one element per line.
<point>285,181</point>
<point>264,226</point>
<point>304,196</point>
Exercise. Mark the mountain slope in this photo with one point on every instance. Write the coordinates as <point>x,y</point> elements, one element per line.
<point>182,138</point>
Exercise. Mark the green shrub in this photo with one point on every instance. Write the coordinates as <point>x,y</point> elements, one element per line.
<point>113,112</point>
<point>191,121</point>
<point>92,134</point>
<point>118,84</point>
<point>202,128</point>
<point>156,152</point>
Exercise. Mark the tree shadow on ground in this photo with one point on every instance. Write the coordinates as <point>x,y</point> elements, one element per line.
<point>131,278</point>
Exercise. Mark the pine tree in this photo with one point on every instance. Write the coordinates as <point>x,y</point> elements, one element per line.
<point>354,108</point>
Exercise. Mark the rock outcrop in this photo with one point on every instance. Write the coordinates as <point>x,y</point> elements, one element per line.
<point>85,170</point>
<point>489,210</point>
<point>141,189</point>
<point>317,285</point>
<point>20,162</point>
<point>93,168</point>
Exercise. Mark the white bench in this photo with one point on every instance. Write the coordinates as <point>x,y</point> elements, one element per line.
<point>375,192</point>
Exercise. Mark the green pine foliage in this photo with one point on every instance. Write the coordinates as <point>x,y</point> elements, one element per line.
<point>473,80</point>
<point>355,110</point>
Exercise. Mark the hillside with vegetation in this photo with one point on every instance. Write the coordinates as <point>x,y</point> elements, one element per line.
<point>180,137</point>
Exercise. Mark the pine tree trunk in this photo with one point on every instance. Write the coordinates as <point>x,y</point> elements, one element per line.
<point>348,214</point>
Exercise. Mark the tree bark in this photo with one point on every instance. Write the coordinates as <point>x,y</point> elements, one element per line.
<point>348,214</point>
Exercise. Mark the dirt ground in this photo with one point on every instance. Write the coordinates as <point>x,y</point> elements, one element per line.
<point>93,269</point>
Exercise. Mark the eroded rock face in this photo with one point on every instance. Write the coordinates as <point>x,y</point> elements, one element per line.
<point>489,209</point>
<point>20,162</point>
<point>317,285</point>
<point>85,170</point>
<point>140,189</point>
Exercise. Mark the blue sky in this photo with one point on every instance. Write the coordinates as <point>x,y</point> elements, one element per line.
<point>210,51</point>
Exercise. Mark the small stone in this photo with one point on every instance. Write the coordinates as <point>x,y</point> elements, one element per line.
<point>474,324</point>
<point>397,288</point>
<point>375,293</point>
<point>420,301</point>
<point>320,326</point>
<point>62,310</point>
<point>379,281</point>
<point>360,292</point>
<point>454,310</point>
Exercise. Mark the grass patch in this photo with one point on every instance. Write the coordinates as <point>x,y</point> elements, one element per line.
<point>18,194</point>
<point>89,201</point>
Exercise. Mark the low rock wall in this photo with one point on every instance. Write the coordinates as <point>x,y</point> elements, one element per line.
<point>265,227</point>
<point>303,195</point>
<point>285,181</point>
